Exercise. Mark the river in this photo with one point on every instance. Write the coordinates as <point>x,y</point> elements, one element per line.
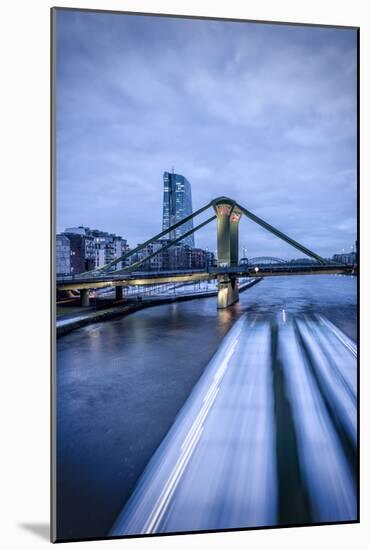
<point>121,383</point>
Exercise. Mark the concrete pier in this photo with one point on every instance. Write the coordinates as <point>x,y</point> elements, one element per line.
<point>85,297</point>
<point>119,293</point>
<point>227,291</point>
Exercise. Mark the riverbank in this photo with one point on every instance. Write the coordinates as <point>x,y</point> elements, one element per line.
<point>69,323</point>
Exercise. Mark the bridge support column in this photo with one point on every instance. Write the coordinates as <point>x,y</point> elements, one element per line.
<point>223,212</point>
<point>119,293</point>
<point>227,291</point>
<point>228,217</point>
<point>234,220</point>
<point>84,297</point>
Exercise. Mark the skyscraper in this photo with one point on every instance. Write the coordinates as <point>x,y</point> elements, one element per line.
<point>177,205</point>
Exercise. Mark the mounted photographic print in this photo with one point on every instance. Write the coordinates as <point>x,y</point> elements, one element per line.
<point>205,266</point>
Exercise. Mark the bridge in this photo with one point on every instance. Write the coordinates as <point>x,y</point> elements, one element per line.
<point>266,260</point>
<point>228,214</point>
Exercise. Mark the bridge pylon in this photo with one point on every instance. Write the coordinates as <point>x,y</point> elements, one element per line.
<point>228,218</point>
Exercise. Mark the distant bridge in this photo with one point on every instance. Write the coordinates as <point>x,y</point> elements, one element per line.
<point>266,260</point>
<point>228,214</point>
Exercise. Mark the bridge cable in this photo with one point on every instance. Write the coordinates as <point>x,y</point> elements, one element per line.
<point>281,235</point>
<point>165,247</point>
<point>149,241</point>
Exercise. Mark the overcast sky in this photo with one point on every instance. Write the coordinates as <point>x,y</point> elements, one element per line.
<point>265,114</point>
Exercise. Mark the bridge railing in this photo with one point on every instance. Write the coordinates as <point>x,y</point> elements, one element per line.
<point>240,270</point>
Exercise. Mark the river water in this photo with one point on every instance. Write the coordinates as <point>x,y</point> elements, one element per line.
<point>121,383</point>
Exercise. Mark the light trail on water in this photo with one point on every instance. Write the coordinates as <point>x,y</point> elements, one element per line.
<point>217,466</point>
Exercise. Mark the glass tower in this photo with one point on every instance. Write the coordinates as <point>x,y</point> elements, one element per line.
<point>177,205</point>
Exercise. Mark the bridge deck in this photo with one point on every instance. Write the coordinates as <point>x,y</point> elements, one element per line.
<point>260,417</point>
<point>163,277</point>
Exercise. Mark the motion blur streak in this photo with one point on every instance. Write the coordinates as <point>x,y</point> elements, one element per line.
<point>326,471</point>
<point>217,466</point>
<point>333,385</point>
<point>345,340</point>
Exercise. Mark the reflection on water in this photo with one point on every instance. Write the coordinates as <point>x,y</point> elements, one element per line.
<point>121,384</point>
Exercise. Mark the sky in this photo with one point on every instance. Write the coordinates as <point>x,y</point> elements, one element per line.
<point>265,114</point>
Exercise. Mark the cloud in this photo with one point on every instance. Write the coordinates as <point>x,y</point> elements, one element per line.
<point>262,113</point>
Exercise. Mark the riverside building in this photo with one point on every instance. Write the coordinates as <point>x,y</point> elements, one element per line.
<point>177,205</point>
